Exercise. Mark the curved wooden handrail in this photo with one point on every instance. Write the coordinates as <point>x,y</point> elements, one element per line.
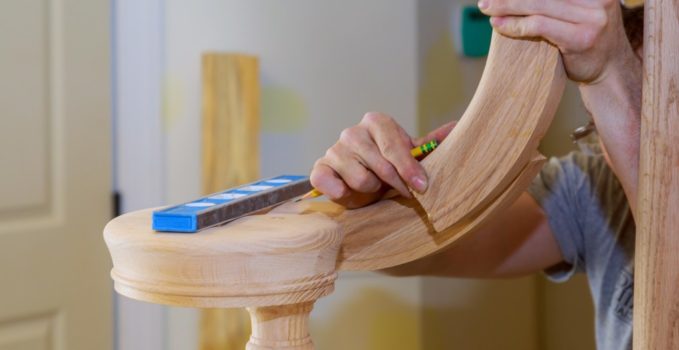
<point>483,166</point>
<point>406,234</point>
<point>512,108</point>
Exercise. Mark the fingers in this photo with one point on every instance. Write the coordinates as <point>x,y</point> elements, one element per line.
<point>439,134</point>
<point>394,145</point>
<point>572,25</point>
<point>557,9</point>
<point>326,180</point>
<point>567,36</point>
<point>385,171</point>
<point>372,158</point>
<point>367,160</point>
<point>351,170</point>
<point>368,155</point>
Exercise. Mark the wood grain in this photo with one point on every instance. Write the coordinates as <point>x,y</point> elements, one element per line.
<point>656,297</point>
<point>396,230</point>
<point>230,120</point>
<point>404,233</point>
<point>230,158</point>
<point>260,260</point>
<point>511,110</point>
<point>285,327</point>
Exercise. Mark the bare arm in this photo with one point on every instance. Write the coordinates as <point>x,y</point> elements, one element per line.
<point>615,105</point>
<point>516,242</point>
<point>597,55</point>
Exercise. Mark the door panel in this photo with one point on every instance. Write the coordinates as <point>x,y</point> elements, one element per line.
<point>55,181</point>
<point>28,334</point>
<point>24,97</point>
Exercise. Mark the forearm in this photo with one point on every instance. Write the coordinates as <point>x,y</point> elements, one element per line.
<point>516,242</point>
<point>614,103</point>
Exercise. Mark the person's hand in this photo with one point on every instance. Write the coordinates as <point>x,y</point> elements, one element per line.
<point>589,33</point>
<point>370,158</point>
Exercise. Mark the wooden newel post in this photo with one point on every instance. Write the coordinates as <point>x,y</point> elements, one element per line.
<point>276,265</point>
<point>656,296</point>
<point>281,327</point>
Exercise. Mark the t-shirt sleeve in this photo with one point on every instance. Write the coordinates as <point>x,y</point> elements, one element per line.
<point>558,189</point>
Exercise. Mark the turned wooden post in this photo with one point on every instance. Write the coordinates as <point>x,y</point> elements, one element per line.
<point>656,296</point>
<point>281,327</point>
<point>277,265</point>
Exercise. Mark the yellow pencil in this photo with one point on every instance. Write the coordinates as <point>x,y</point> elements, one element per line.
<point>415,152</point>
<point>424,149</point>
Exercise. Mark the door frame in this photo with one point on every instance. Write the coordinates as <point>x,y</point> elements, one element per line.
<point>138,40</point>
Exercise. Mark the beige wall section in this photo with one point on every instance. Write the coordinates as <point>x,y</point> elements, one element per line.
<point>479,314</point>
<point>369,312</point>
<point>566,315</point>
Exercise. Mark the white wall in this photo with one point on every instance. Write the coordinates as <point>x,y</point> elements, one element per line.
<point>139,170</point>
<point>323,64</point>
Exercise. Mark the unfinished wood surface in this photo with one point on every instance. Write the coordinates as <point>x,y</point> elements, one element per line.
<point>511,110</point>
<point>230,120</point>
<point>260,260</point>
<point>656,296</point>
<point>281,327</point>
<point>230,158</point>
<point>397,231</point>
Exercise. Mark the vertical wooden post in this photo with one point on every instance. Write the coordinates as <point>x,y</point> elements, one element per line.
<point>656,300</point>
<point>230,120</point>
<point>230,158</point>
<point>281,327</point>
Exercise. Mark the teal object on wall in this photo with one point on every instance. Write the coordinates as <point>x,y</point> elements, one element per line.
<point>475,32</point>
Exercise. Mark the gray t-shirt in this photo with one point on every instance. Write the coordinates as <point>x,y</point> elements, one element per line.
<point>593,225</point>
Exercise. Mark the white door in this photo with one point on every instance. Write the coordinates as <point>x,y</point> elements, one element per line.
<point>55,291</point>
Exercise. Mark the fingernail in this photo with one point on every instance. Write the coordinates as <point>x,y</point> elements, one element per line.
<point>483,4</point>
<point>420,184</point>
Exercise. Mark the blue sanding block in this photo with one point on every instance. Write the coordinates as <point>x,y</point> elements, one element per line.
<point>219,208</point>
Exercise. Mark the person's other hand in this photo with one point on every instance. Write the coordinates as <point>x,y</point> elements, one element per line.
<point>589,33</point>
<point>370,158</point>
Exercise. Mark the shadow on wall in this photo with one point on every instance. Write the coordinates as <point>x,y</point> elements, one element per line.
<point>283,110</point>
<point>373,319</point>
<point>376,319</point>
